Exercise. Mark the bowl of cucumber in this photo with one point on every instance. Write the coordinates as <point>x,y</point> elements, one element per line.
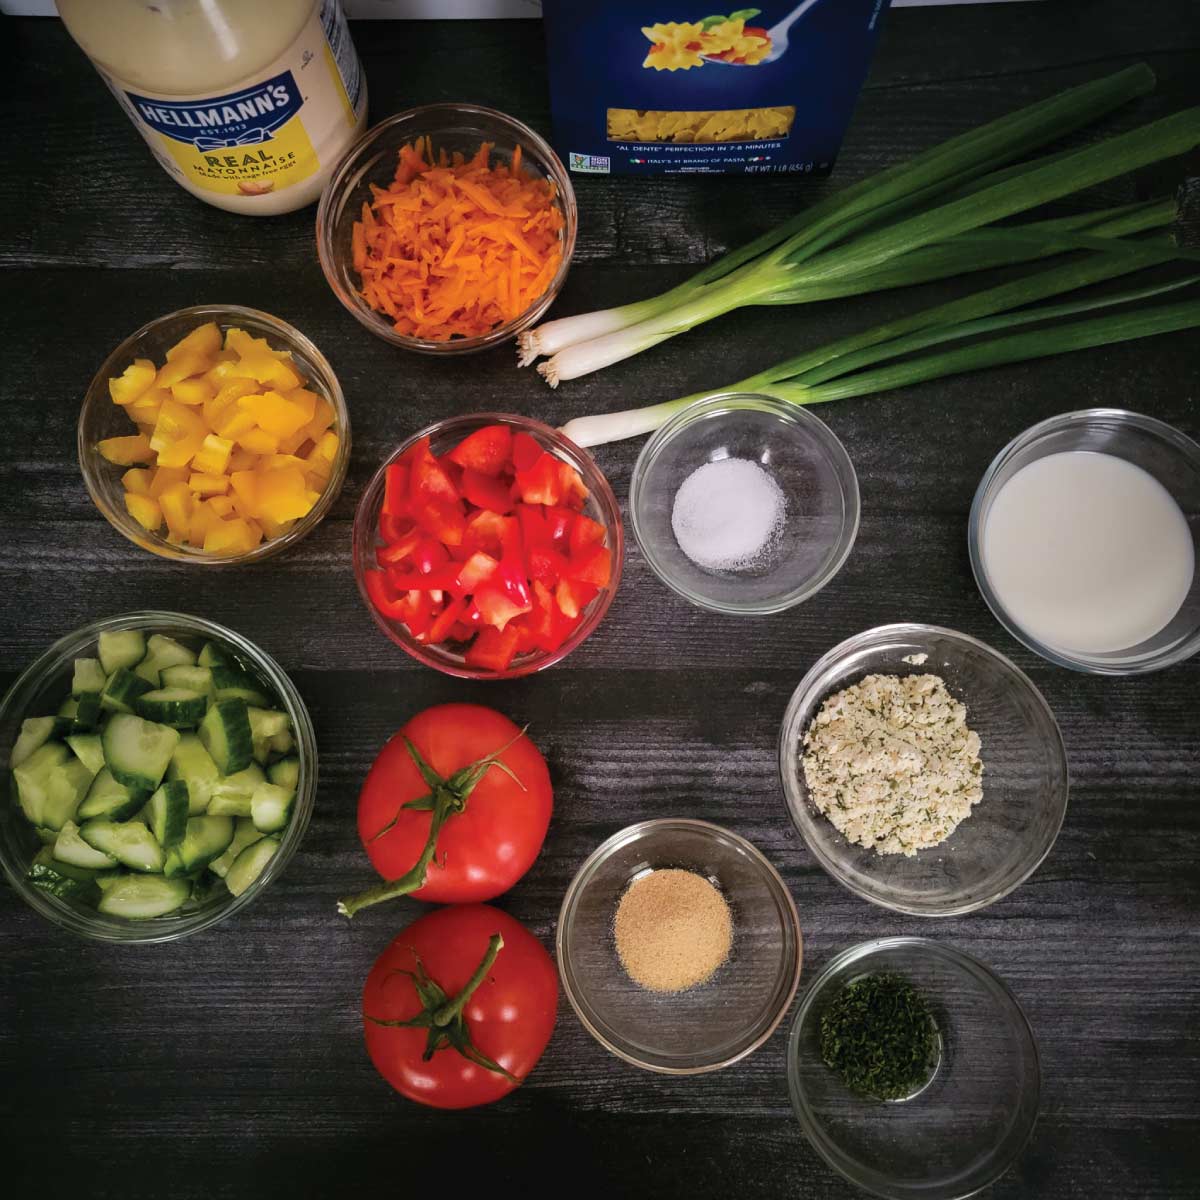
<point>161,772</point>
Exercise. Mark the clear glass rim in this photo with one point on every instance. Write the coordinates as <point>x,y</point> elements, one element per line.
<point>636,832</point>
<point>366,518</point>
<point>96,927</point>
<point>1167,657</point>
<point>802,705</point>
<point>97,392</point>
<point>341,180</point>
<point>718,403</point>
<point>867,1178</point>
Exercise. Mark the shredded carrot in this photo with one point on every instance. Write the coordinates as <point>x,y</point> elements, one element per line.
<point>456,246</point>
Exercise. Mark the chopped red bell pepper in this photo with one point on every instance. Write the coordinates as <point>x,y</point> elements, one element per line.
<point>418,614</point>
<point>477,570</point>
<point>585,532</point>
<point>396,552</point>
<point>574,597</point>
<point>443,578</point>
<point>541,483</point>
<point>560,523</point>
<point>483,532</point>
<point>485,492</point>
<point>381,596</point>
<point>525,451</point>
<point>442,519</point>
<point>487,451</point>
<point>394,529</point>
<point>498,606</point>
<point>574,491</point>
<point>593,566</point>
<point>546,565</point>
<point>428,554</point>
<point>534,529</point>
<point>429,480</point>
<point>445,621</point>
<point>493,649</point>
<point>395,490</point>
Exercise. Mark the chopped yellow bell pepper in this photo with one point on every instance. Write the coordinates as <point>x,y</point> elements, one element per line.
<point>234,422</point>
<point>125,451</point>
<point>182,367</point>
<point>144,510</point>
<point>213,456</point>
<point>322,419</point>
<point>166,477</point>
<point>204,339</point>
<point>132,382</point>
<point>242,460</point>
<point>245,490</point>
<point>258,441</point>
<point>281,495</point>
<point>138,480</point>
<point>274,413</point>
<point>193,391</point>
<point>203,520</point>
<point>177,504</point>
<point>179,433</point>
<point>239,341</point>
<point>207,485</point>
<point>221,505</point>
<point>263,366</point>
<point>221,372</point>
<point>274,529</point>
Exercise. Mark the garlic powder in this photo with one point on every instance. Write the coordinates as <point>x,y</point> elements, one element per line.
<point>893,764</point>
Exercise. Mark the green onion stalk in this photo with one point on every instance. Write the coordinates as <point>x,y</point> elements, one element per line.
<point>919,221</point>
<point>887,356</point>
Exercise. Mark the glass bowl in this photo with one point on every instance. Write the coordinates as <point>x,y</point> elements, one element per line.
<point>963,1129</point>
<point>809,464</point>
<point>601,506</point>
<point>715,1023</point>
<point>1009,832</point>
<point>39,690</point>
<point>1169,456</point>
<point>372,160</point>
<point>101,418</point>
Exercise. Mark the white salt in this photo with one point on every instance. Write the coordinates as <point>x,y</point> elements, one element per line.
<point>727,514</point>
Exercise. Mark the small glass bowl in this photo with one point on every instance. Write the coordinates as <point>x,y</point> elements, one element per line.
<point>101,418</point>
<point>1169,456</point>
<point>1008,833</point>
<point>968,1124</point>
<point>372,160</point>
<point>806,460</point>
<point>715,1023</point>
<point>601,506</point>
<point>40,689</point>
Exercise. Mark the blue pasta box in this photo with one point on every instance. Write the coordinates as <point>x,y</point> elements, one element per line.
<point>654,87</point>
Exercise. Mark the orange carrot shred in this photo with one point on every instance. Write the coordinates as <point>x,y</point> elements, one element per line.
<point>455,247</point>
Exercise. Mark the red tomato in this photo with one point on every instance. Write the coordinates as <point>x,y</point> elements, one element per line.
<point>482,850</point>
<point>507,1019</point>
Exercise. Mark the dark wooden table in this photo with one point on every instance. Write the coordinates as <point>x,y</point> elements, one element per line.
<point>231,1064</point>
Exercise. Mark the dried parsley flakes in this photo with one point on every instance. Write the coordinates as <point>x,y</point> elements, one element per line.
<point>880,1036</point>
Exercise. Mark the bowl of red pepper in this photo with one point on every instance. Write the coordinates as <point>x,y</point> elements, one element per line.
<point>488,546</point>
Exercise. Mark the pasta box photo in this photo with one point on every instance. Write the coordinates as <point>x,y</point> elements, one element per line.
<point>652,87</point>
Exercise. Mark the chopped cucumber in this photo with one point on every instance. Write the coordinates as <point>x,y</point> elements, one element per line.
<point>32,778</point>
<point>141,897</point>
<point>178,707</point>
<point>122,690</point>
<point>192,764</point>
<point>271,807</point>
<point>286,773</point>
<point>195,679</point>
<point>250,864</point>
<point>229,806</point>
<point>265,725</point>
<point>62,880</point>
<point>121,650</point>
<point>88,749</point>
<point>66,786</point>
<point>35,731</point>
<point>169,813</point>
<point>283,743</point>
<point>109,799</point>
<point>89,676</point>
<point>138,751</point>
<point>231,796</point>
<point>231,683</point>
<point>70,848</point>
<point>46,836</point>
<point>128,841</point>
<point>225,732</point>
<point>162,652</point>
<point>206,838</point>
<point>81,713</point>
<point>213,655</point>
<point>244,834</point>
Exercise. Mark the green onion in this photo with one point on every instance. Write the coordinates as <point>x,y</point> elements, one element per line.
<point>836,371</point>
<point>947,167</point>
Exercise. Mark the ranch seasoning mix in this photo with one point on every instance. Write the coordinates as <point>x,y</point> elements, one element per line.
<point>669,86</point>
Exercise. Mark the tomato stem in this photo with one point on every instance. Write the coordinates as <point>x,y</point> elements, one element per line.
<point>449,1011</point>
<point>445,798</point>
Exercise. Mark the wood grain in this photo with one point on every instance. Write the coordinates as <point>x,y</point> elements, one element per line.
<point>230,1065</point>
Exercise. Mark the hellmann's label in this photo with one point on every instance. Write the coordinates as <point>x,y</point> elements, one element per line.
<point>271,132</point>
<point>250,141</point>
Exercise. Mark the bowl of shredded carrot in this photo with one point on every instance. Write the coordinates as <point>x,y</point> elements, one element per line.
<point>447,228</point>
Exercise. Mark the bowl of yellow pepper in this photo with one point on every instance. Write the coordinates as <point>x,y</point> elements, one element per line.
<point>216,434</point>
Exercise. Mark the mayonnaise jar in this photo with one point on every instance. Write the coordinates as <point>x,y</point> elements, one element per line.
<point>247,105</point>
